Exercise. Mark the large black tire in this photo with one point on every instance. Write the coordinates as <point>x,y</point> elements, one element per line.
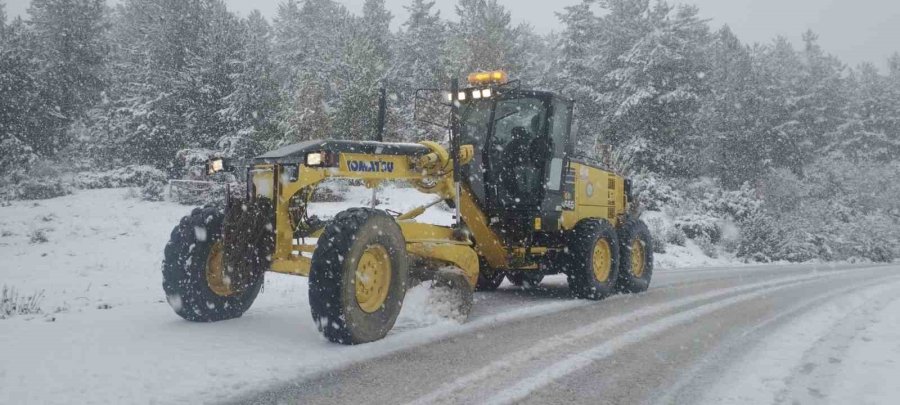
<point>583,280</point>
<point>189,289</point>
<point>528,279</point>
<point>336,309</point>
<point>636,257</point>
<point>488,279</point>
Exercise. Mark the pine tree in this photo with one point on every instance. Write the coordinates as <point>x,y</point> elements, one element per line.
<point>311,41</point>
<point>310,37</point>
<point>363,72</point>
<point>581,70</point>
<point>820,109</point>
<point>485,38</point>
<point>23,113</point>
<point>736,150</point>
<point>420,63</point>
<point>208,77</point>
<point>779,82</point>
<point>357,111</point>
<point>173,75</point>
<point>641,74</point>
<point>305,116</point>
<point>68,40</point>
<point>252,108</point>
<point>69,35</point>
<point>376,26</point>
<point>872,131</point>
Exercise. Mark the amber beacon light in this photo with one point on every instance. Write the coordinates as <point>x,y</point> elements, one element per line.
<point>486,78</point>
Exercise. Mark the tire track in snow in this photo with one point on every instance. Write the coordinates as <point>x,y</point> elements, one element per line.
<point>766,373</point>
<point>712,362</point>
<point>515,310</point>
<point>812,378</point>
<point>471,382</point>
<point>580,360</point>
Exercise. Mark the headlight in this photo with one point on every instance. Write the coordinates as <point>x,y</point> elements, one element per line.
<point>476,94</point>
<point>214,166</point>
<point>462,96</point>
<point>486,93</point>
<point>314,159</point>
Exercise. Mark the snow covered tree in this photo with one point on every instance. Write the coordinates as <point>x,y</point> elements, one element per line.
<point>362,72</point>
<point>821,106</point>
<point>252,108</point>
<point>580,68</point>
<point>175,63</point>
<point>305,115</point>
<point>780,75</point>
<point>420,62</point>
<point>69,37</point>
<point>872,132</point>
<point>208,78</point>
<point>64,40</point>
<point>23,112</point>
<point>732,116</point>
<point>640,71</point>
<point>484,38</point>
<point>310,37</point>
<point>357,106</point>
<point>376,26</point>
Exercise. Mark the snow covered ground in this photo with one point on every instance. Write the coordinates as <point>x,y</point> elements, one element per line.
<point>106,334</point>
<point>846,351</point>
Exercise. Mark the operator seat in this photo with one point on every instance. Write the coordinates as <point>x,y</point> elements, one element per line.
<point>520,174</point>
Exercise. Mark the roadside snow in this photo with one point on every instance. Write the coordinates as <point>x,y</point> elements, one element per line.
<point>871,367</point>
<point>845,351</point>
<point>107,335</point>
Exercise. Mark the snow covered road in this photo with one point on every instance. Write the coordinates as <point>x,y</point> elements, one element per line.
<point>747,334</point>
<point>715,336</point>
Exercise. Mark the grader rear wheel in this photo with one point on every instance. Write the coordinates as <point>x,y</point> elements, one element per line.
<point>358,276</point>
<point>636,252</point>
<point>593,262</point>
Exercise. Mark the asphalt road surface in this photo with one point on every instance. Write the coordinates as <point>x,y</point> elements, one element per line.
<point>677,343</point>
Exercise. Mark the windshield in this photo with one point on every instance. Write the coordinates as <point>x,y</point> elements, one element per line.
<point>473,122</point>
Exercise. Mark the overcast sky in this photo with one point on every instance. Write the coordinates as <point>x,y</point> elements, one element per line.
<point>854,30</point>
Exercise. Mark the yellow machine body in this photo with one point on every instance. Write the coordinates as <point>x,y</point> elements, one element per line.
<point>595,194</point>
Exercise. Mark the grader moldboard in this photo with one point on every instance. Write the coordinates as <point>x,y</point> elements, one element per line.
<point>525,207</point>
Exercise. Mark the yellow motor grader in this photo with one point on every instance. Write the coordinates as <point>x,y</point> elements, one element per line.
<point>525,206</point>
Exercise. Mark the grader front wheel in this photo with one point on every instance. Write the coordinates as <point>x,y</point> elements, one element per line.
<point>196,280</point>
<point>358,276</point>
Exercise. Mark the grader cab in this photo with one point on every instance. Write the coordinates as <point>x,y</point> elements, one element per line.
<point>525,206</point>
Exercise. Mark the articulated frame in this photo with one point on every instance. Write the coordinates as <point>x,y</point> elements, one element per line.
<point>430,173</point>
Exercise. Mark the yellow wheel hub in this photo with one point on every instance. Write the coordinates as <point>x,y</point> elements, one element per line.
<point>602,260</point>
<point>373,278</point>
<point>638,265</point>
<point>216,278</point>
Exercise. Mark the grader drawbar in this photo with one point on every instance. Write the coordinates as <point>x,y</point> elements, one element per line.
<point>525,206</point>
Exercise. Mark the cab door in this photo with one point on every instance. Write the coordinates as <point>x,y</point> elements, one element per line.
<point>559,131</point>
<point>516,154</point>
